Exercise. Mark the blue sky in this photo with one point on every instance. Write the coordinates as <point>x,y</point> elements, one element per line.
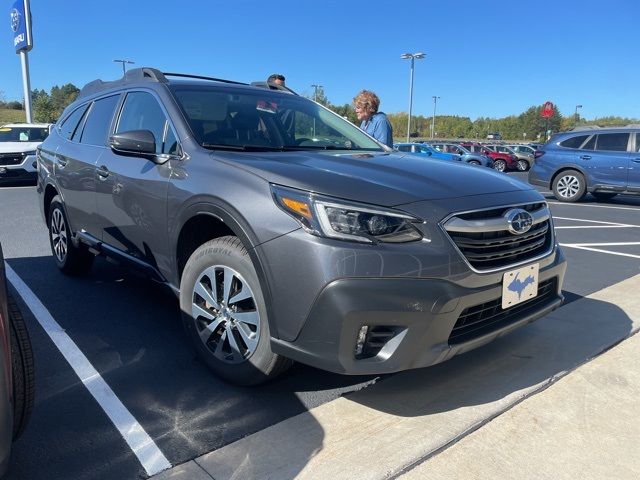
<point>484,58</point>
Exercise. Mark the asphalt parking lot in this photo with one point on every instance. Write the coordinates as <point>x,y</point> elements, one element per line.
<point>128,330</point>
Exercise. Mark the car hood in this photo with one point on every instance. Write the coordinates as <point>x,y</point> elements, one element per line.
<point>387,179</point>
<point>18,147</point>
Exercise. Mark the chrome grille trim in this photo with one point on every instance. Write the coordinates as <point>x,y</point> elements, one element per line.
<point>542,227</point>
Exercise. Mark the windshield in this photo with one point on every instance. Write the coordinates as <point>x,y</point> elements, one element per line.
<point>23,134</point>
<point>265,120</point>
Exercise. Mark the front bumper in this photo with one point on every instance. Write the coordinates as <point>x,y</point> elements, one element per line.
<point>23,172</point>
<point>421,313</point>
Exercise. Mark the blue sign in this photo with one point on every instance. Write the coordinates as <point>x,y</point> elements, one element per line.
<point>21,26</point>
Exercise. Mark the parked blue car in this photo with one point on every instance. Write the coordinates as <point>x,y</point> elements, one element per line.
<point>603,162</point>
<point>425,150</point>
<point>466,155</point>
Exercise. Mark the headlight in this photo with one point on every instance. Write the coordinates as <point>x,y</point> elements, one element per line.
<point>329,217</point>
<point>26,154</point>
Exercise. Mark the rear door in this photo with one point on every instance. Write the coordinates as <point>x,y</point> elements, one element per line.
<point>605,157</point>
<point>76,159</point>
<point>132,190</point>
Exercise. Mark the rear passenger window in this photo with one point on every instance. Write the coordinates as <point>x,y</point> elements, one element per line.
<point>141,111</point>
<point>637,142</point>
<point>98,121</point>
<point>613,141</point>
<point>71,123</point>
<point>574,142</point>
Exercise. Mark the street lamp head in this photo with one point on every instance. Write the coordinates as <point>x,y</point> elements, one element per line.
<point>578,106</point>
<point>418,55</point>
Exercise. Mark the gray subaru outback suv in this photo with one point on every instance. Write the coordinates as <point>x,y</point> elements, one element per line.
<point>289,234</point>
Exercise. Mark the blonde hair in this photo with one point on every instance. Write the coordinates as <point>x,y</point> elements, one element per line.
<point>367,101</point>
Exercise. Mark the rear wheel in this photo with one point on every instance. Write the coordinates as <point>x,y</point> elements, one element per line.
<point>500,165</point>
<point>22,368</point>
<point>70,259</point>
<point>225,315</point>
<point>474,162</point>
<point>522,165</point>
<point>603,196</point>
<point>569,186</point>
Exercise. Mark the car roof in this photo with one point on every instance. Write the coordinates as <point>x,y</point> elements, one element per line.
<point>17,125</point>
<point>147,76</point>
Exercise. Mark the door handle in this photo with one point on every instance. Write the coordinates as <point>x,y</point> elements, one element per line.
<point>585,157</point>
<point>103,172</point>
<point>636,160</point>
<point>62,161</point>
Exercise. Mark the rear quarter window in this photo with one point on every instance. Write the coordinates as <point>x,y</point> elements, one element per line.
<point>574,142</point>
<point>70,124</point>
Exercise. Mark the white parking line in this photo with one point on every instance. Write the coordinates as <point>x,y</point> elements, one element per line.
<point>142,445</point>
<point>588,246</point>
<point>593,206</point>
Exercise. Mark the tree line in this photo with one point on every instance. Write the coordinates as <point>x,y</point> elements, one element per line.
<point>527,126</point>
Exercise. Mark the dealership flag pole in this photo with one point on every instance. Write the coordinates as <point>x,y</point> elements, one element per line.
<point>22,41</point>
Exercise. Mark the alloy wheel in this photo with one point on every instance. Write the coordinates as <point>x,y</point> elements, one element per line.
<point>225,314</point>
<point>568,186</point>
<point>59,238</point>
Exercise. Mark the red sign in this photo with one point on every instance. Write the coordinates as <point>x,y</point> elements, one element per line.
<point>547,110</point>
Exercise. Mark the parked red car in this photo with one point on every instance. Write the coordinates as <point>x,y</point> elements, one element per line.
<point>501,161</point>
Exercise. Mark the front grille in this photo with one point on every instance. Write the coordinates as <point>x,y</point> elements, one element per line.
<point>484,240</point>
<point>11,159</point>
<point>488,317</point>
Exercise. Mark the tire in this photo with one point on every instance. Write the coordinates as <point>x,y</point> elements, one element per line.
<point>569,186</point>
<point>474,162</point>
<point>603,196</point>
<point>500,165</point>
<point>70,259</point>
<point>522,165</point>
<point>23,370</point>
<point>231,337</point>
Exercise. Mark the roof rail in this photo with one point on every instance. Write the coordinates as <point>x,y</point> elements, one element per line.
<point>273,86</point>
<point>200,77</point>
<point>145,74</point>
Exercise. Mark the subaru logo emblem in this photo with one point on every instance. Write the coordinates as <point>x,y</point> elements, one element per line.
<point>15,20</point>
<point>518,221</point>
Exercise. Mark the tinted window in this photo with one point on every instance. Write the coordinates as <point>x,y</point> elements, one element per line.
<point>637,142</point>
<point>170,145</point>
<point>404,148</point>
<point>71,123</point>
<point>96,127</point>
<point>613,141</point>
<point>23,134</point>
<point>141,111</point>
<point>574,142</point>
<point>591,144</point>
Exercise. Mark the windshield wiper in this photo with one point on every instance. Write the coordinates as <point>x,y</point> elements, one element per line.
<point>242,148</point>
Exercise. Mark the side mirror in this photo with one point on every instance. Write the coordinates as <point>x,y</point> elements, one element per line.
<point>429,153</point>
<point>133,142</point>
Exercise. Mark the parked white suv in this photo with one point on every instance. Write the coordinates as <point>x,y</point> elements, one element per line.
<point>18,143</point>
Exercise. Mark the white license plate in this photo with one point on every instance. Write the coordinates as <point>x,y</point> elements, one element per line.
<point>519,285</point>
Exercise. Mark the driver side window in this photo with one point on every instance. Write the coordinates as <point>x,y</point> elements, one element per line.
<point>141,111</point>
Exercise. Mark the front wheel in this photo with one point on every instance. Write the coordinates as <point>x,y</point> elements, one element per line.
<point>522,165</point>
<point>500,165</point>
<point>70,259</point>
<point>225,315</point>
<point>569,186</point>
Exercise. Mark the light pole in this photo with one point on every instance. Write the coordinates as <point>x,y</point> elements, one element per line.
<point>123,62</point>
<point>412,56</point>
<point>433,119</point>
<point>575,115</point>
<point>315,92</point>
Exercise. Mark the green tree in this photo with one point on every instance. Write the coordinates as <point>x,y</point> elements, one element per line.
<point>44,109</point>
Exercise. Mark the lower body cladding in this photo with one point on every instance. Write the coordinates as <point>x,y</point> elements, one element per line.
<point>365,326</point>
